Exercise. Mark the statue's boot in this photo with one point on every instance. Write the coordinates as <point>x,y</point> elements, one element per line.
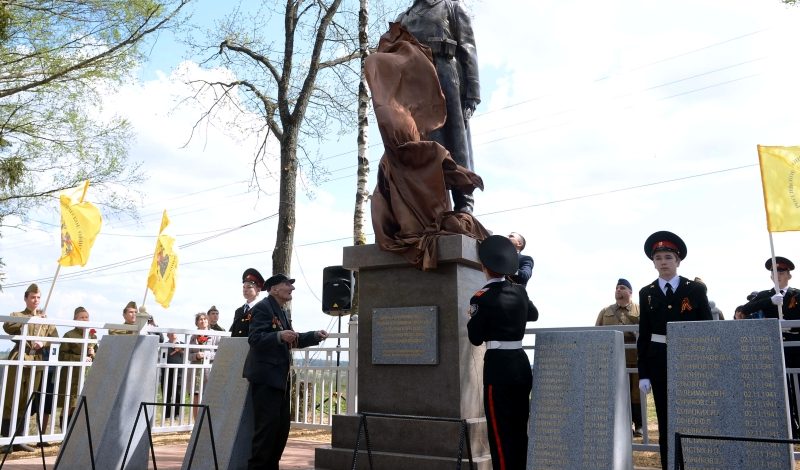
<point>462,202</point>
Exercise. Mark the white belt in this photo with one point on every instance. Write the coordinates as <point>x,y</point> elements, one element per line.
<point>658,339</point>
<point>504,344</point>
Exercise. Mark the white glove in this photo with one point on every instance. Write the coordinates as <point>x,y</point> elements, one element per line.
<point>777,299</point>
<point>644,386</point>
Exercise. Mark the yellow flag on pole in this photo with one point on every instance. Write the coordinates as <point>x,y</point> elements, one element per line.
<point>164,270</point>
<point>80,224</point>
<point>780,179</point>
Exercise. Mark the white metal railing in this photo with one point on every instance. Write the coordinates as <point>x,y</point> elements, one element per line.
<point>324,379</point>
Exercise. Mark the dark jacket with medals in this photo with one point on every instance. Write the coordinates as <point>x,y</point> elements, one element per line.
<point>689,302</point>
<point>269,359</point>
<point>499,312</point>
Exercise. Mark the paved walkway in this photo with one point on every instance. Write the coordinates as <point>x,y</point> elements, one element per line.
<point>299,455</point>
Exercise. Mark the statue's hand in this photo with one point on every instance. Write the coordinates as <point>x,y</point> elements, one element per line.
<point>469,108</point>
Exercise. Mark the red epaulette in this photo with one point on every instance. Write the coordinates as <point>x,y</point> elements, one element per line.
<point>480,292</point>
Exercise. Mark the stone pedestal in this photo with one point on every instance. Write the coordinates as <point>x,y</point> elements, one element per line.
<point>449,387</point>
<point>122,377</point>
<point>228,398</point>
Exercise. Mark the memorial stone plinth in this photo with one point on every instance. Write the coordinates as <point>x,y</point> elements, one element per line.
<point>580,403</point>
<point>122,376</point>
<point>727,378</point>
<point>231,409</point>
<point>425,365</point>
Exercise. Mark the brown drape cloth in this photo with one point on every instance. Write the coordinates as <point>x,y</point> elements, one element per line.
<point>410,204</point>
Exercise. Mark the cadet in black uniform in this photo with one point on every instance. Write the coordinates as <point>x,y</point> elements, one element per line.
<point>252,285</point>
<point>668,298</point>
<point>498,314</point>
<point>767,302</point>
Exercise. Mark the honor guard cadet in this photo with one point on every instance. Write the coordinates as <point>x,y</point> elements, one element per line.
<point>252,286</point>
<point>498,313</point>
<point>767,302</point>
<point>668,298</point>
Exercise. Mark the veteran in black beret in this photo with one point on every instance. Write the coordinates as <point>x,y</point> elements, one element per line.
<point>788,299</point>
<point>252,285</point>
<point>498,313</point>
<point>669,298</point>
<point>267,366</point>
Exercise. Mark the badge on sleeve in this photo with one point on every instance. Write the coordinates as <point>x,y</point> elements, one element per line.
<point>473,309</point>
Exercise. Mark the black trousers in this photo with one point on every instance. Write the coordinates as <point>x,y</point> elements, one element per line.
<point>271,431</point>
<point>507,408</point>
<point>174,378</point>
<point>659,384</point>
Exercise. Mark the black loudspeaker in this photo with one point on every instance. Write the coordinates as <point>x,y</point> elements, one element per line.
<point>337,290</point>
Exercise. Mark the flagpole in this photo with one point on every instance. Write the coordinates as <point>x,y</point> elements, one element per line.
<point>52,285</point>
<point>775,274</point>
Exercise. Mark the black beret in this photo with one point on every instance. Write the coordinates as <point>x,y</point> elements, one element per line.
<point>277,279</point>
<point>624,282</point>
<point>498,254</point>
<point>664,241</point>
<point>784,264</point>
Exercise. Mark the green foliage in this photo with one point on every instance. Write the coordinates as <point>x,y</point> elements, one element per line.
<point>58,59</point>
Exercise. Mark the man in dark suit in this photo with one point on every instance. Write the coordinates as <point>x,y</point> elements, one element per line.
<point>767,302</point>
<point>267,368</point>
<point>498,315</point>
<point>252,285</point>
<point>668,298</point>
<point>524,263</point>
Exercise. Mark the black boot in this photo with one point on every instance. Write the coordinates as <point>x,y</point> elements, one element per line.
<point>462,202</point>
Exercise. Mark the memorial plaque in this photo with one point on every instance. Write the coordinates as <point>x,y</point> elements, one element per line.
<point>727,378</point>
<point>580,402</point>
<point>406,335</point>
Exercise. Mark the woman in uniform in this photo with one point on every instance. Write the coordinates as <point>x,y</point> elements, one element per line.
<point>668,298</point>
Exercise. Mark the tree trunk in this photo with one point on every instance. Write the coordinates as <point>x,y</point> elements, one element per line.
<point>284,238</point>
<point>362,193</point>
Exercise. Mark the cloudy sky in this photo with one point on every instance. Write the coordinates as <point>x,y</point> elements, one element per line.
<point>600,123</point>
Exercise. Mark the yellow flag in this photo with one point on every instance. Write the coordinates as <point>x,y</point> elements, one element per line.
<point>164,270</point>
<point>780,178</point>
<point>80,224</point>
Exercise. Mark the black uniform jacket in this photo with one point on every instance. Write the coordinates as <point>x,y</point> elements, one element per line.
<point>499,313</point>
<point>269,359</point>
<point>241,323</point>
<point>762,301</point>
<point>688,303</point>
<point>791,311</point>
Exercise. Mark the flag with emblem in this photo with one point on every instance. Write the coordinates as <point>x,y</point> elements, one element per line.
<point>164,269</point>
<point>780,179</point>
<point>80,224</point>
